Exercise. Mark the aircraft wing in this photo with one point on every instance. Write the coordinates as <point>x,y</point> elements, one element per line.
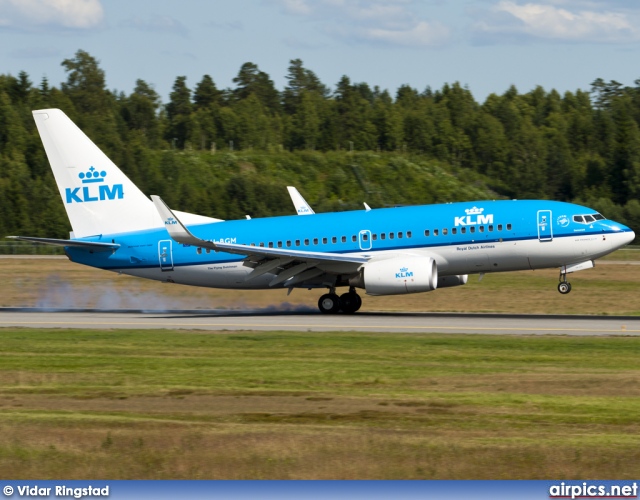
<point>87,245</point>
<point>286,264</point>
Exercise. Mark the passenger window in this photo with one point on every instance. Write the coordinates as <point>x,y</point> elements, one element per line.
<point>374,237</point>
<point>208,250</point>
<point>297,243</point>
<point>445,231</point>
<point>288,243</point>
<point>344,239</point>
<point>454,230</point>
<point>482,229</point>
<point>279,244</point>
<point>408,234</point>
<point>472,229</point>
<point>463,230</point>
<point>365,237</point>
<point>426,232</point>
<point>271,244</point>
<point>325,241</point>
<point>306,241</point>
<point>315,241</point>
<point>499,227</point>
<point>392,236</point>
<point>508,227</point>
<point>400,234</point>
<point>334,239</point>
<point>383,236</point>
<point>435,232</point>
<point>199,251</point>
<point>354,238</point>
<point>491,229</point>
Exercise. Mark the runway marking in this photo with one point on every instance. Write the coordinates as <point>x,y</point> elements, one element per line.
<point>304,326</point>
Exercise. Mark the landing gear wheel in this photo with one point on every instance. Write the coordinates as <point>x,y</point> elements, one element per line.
<point>329,303</point>
<point>350,302</point>
<point>564,287</point>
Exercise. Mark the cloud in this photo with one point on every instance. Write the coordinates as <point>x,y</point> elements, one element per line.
<point>509,20</point>
<point>27,15</point>
<point>382,22</point>
<point>158,24</point>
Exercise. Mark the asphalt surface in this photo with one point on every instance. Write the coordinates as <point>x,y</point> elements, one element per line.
<point>267,320</point>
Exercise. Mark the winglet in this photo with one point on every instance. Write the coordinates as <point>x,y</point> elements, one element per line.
<point>302,207</point>
<point>367,207</point>
<point>177,229</point>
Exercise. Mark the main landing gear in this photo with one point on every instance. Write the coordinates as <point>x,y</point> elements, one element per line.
<point>564,286</point>
<point>347,303</point>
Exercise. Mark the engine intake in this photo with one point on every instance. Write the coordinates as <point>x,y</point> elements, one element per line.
<point>400,275</point>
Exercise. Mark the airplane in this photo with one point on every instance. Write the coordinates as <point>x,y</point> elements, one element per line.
<point>386,251</point>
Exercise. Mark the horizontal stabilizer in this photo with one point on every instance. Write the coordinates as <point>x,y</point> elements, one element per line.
<point>88,245</point>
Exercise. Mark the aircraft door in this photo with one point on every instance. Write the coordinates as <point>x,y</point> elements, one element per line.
<point>545,229</point>
<point>364,239</point>
<point>165,254</point>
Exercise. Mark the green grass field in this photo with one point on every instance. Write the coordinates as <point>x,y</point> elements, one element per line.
<point>161,404</point>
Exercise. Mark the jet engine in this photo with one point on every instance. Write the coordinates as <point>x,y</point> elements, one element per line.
<point>456,280</point>
<point>400,275</point>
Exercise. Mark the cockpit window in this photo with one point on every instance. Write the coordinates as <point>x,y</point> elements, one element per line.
<point>588,218</point>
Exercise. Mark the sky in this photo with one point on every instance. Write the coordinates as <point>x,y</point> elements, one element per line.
<point>487,45</point>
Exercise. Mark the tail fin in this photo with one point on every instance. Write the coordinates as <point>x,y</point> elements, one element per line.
<point>98,196</point>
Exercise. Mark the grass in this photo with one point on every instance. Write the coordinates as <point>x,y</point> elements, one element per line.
<point>608,289</point>
<point>285,405</point>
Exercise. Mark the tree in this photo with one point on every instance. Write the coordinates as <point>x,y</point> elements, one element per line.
<point>300,81</point>
<point>179,113</point>
<point>251,80</point>
<point>206,94</point>
<point>85,84</point>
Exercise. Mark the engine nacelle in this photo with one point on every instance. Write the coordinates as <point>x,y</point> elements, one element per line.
<point>400,275</point>
<point>457,280</point>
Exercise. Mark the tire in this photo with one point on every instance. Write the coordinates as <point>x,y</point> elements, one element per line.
<point>329,303</point>
<point>350,302</point>
<point>564,287</point>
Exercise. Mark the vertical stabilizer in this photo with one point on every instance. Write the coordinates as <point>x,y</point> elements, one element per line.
<point>302,207</point>
<point>98,196</point>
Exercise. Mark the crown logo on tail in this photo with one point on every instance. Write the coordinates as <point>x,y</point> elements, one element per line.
<point>92,176</point>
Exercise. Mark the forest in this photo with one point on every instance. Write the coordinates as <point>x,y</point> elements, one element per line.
<point>230,152</point>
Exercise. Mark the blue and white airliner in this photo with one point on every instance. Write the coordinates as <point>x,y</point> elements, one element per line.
<point>385,251</point>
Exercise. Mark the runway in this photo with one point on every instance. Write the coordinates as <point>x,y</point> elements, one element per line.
<point>266,320</point>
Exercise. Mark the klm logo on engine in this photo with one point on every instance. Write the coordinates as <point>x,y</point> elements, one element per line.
<point>474,217</point>
<point>404,273</point>
<point>93,190</point>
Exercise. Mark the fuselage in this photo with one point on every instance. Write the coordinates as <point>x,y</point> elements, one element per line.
<point>462,238</point>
